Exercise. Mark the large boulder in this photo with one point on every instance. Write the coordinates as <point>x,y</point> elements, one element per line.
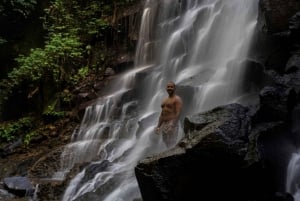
<point>214,161</point>
<point>20,186</point>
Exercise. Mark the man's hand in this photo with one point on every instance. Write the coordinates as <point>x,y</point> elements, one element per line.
<point>157,129</point>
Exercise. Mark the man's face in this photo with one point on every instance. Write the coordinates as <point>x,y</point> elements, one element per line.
<point>170,88</point>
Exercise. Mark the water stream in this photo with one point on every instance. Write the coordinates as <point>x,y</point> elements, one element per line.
<point>197,44</point>
<point>293,169</point>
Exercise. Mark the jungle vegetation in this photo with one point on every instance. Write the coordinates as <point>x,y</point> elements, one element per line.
<point>75,38</point>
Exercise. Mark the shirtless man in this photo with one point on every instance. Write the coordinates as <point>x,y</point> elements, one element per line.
<point>169,117</point>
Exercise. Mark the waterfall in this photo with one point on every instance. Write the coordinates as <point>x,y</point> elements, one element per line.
<point>197,44</point>
<point>293,175</point>
<point>293,169</point>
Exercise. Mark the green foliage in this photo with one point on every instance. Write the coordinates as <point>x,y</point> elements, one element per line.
<point>21,7</point>
<point>61,50</point>
<point>71,26</point>
<point>86,18</point>
<point>9,131</point>
<point>2,41</point>
<point>82,72</point>
<point>51,112</point>
<point>28,137</point>
<point>66,97</point>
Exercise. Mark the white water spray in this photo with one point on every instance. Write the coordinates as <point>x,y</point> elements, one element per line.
<point>293,169</point>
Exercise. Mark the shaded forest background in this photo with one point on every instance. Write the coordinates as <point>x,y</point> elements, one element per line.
<point>49,49</point>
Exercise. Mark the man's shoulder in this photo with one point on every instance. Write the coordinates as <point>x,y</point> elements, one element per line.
<point>178,98</point>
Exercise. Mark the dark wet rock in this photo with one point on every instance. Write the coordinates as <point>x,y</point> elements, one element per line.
<point>277,35</point>
<point>138,199</point>
<point>276,103</point>
<point>22,167</point>
<point>82,97</point>
<point>295,81</point>
<point>5,195</point>
<point>294,23</point>
<point>278,79</point>
<point>10,148</point>
<point>222,146</point>
<point>295,126</point>
<point>232,121</point>
<point>254,75</point>
<point>258,130</point>
<point>109,72</point>
<point>20,186</point>
<point>274,145</point>
<point>278,12</point>
<point>127,96</point>
<point>276,54</point>
<point>123,62</point>
<point>282,196</point>
<point>293,63</point>
<point>214,151</point>
<point>294,26</point>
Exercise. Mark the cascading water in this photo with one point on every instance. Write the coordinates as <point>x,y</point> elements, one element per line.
<point>194,43</point>
<point>293,169</point>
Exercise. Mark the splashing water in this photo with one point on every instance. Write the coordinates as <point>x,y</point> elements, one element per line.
<point>293,169</point>
<point>293,176</point>
<point>190,42</point>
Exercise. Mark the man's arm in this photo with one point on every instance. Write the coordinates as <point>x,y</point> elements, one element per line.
<point>157,128</point>
<point>161,118</point>
<point>159,121</point>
